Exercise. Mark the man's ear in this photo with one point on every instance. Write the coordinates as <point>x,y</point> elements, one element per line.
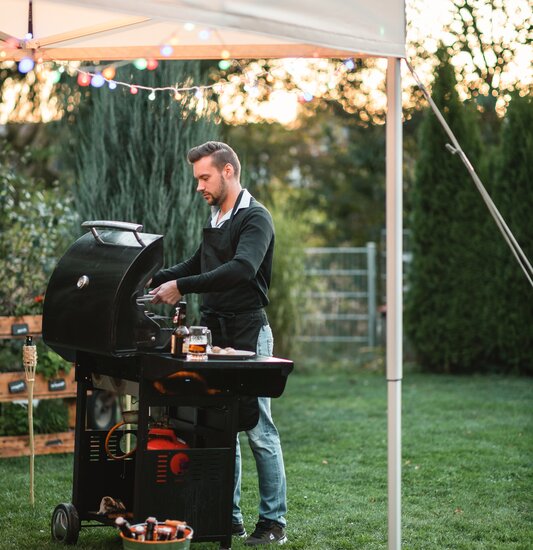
<point>228,170</point>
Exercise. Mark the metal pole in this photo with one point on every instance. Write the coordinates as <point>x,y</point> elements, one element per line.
<point>394,298</point>
<point>371,290</point>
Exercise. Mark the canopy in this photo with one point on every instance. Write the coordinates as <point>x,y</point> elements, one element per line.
<point>129,29</point>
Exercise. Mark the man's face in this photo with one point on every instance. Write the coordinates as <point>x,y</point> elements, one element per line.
<point>211,182</point>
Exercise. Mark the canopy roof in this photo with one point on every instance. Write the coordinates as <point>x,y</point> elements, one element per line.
<point>130,29</point>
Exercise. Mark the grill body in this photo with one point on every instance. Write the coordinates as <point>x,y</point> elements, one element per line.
<point>92,316</point>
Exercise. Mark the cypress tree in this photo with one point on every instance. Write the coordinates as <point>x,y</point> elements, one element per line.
<point>131,156</point>
<point>512,313</point>
<point>446,291</point>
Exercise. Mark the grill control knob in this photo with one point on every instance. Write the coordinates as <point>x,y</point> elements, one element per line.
<point>83,281</point>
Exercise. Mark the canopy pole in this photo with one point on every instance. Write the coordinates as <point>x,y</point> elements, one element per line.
<point>394,230</point>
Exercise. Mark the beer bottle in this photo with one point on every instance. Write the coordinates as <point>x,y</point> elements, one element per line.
<point>181,331</point>
<point>164,533</point>
<point>124,527</point>
<point>151,531</point>
<point>139,530</point>
<point>178,528</point>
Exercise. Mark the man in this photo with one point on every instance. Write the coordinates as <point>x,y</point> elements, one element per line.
<point>232,270</point>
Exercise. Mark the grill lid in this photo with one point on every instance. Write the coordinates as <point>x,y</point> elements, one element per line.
<point>90,302</point>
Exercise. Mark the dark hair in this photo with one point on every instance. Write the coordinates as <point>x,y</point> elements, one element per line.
<point>221,154</point>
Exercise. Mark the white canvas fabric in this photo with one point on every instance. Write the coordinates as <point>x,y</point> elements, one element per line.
<point>129,29</point>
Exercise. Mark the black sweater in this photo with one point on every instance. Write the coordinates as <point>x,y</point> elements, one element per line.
<point>242,283</point>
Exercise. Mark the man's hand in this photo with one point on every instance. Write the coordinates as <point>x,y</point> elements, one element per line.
<point>167,293</point>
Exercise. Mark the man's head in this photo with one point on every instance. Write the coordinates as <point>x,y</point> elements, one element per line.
<point>220,155</point>
<point>217,168</point>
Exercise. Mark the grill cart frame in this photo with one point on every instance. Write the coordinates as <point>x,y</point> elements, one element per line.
<point>203,494</point>
<point>95,315</point>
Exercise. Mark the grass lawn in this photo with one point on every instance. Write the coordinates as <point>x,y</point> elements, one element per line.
<point>467,467</point>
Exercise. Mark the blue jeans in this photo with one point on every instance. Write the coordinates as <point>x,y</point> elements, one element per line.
<point>266,447</point>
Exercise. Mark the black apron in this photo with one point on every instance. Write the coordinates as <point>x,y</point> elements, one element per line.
<point>238,330</point>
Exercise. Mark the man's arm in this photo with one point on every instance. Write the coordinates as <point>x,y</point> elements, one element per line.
<point>192,266</point>
<point>255,237</point>
<point>166,290</point>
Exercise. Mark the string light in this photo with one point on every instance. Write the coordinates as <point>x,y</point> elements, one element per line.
<point>84,79</point>
<point>97,81</point>
<point>140,64</point>
<point>26,64</point>
<point>166,50</point>
<point>349,64</point>
<point>109,72</point>
<point>99,76</point>
<point>204,34</point>
<point>189,27</point>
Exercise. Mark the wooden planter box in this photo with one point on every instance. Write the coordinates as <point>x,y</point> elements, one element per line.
<point>18,445</point>
<point>13,327</point>
<point>13,387</point>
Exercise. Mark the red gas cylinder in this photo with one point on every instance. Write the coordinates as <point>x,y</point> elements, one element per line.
<point>164,439</point>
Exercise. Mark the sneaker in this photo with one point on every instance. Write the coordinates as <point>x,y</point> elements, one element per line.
<point>238,530</point>
<point>267,532</point>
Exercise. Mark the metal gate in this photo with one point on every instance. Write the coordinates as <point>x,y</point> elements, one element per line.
<point>341,301</point>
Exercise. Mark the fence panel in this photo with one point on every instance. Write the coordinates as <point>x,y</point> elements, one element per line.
<point>341,301</point>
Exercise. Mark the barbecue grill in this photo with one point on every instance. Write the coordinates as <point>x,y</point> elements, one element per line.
<point>94,315</point>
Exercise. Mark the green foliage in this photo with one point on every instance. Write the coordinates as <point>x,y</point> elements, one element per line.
<point>35,225</point>
<point>510,301</point>
<point>49,363</point>
<point>14,419</point>
<point>10,355</point>
<point>130,155</point>
<point>288,277</point>
<point>335,165</point>
<point>49,416</point>
<point>447,294</point>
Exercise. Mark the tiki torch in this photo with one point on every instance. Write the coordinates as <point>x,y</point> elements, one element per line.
<point>29,360</point>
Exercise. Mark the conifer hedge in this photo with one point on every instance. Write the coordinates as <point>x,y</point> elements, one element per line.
<point>130,154</point>
<point>448,277</point>
<point>512,295</point>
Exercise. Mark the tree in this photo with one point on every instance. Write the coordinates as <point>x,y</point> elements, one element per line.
<point>450,259</point>
<point>130,154</point>
<point>333,162</point>
<point>511,311</point>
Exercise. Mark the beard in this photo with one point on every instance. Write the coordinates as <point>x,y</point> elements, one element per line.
<point>219,196</point>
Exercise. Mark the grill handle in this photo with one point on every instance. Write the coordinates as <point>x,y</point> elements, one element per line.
<point>123,226</point>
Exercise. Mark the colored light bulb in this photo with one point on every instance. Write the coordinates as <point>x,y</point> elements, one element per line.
<point>140,64</point>
<point>84,79</point>
<point>167,50</point>
<point>97,81</point>
<point>109,72</point>
<point>26,64</point>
